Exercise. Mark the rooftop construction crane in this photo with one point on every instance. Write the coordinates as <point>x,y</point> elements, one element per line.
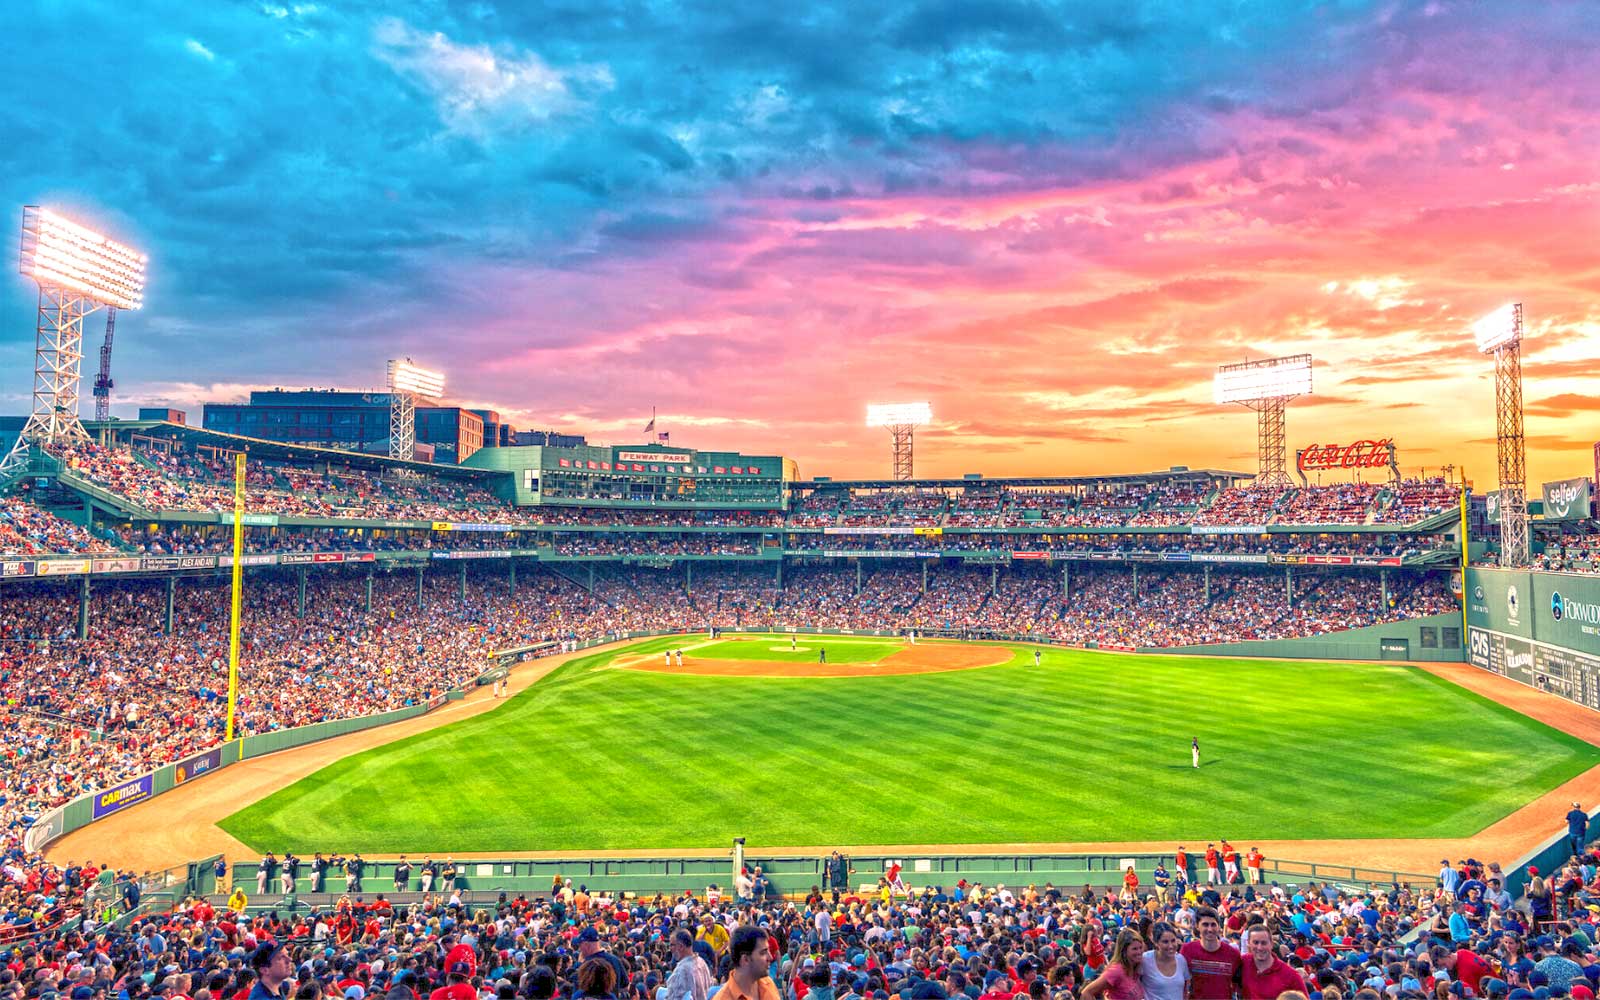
<point>102,382</point>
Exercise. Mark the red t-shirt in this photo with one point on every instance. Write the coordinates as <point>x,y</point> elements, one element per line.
<point>1213,972</point>
<point>1280,977</point>
<point>455,991</point>
<point>1120,985</point>
<point>1211,857</point>
<point>1470,968</point>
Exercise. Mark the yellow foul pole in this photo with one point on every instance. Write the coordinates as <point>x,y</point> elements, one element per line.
<point>238,576</point>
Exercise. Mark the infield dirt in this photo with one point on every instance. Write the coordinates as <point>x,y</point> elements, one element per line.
<point>180,826</point>
<point>931,658</point>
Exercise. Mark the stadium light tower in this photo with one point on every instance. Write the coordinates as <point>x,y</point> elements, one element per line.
<point>1266,387</point>
<point>78,271</point>
<point>901,419</point>
<point>1500,334</point>
<point>406,383</point>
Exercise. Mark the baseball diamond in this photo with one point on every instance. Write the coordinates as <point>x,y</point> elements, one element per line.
<point>1007,753</point>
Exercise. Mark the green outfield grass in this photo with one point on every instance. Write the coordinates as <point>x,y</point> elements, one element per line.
<point>1088,747</point>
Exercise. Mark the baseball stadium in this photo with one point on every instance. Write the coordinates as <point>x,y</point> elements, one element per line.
<point>365,694</point>
<point>288,675</point>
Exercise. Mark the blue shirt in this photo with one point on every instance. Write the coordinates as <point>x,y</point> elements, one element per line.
<point>1460,930</point>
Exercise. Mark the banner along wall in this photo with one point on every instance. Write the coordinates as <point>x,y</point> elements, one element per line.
<point>1541,629</point>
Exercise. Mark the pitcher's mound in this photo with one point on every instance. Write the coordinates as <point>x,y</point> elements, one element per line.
<point>925,659</point>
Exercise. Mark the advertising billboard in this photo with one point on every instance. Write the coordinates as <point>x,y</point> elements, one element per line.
<point>194,767</point>
<point>1568,606</point>
<point>1568,500</point>
<point>1542,629</point>
<point>122,796</point>
<point>1501,600</point>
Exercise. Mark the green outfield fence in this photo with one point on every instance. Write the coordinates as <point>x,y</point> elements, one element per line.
<point>794,875</point>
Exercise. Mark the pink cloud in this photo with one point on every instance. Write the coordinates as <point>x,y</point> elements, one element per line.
<point>1421,204</point>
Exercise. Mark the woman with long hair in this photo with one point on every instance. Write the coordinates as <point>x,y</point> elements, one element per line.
<point>1163,972</point>
<point>1540,903</point>
<point>1120,980</point>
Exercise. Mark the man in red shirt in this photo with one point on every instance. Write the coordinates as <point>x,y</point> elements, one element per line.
<point>1252,863</point>
<point>1464,964</point>
<point>1213,963</point>
<point>1230,863</point>
<point>1213,868</point>
<point>1180,863</point>
<point>460,965</point>
<point>1265,975</point>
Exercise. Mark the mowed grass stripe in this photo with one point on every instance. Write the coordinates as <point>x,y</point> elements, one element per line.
<point>1086,746</point>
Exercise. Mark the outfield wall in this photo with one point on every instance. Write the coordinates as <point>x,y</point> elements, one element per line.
<point>86,809</point>
<point>1540,629</point>
<point>795,876</point>
<point>1431,639</point>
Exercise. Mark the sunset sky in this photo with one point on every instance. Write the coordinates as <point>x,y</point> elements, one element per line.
<point>1052,221</point>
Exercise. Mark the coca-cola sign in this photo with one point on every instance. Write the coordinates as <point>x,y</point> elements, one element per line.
<point>1366,454</point>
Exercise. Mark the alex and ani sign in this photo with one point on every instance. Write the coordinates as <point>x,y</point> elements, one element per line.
<point>1365,454</point>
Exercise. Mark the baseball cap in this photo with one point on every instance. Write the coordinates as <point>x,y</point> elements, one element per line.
<point>262,956</point>
<point>354,993</point>
<point>588,934</point>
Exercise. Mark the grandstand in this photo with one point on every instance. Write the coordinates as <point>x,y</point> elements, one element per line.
<point>115,556</point>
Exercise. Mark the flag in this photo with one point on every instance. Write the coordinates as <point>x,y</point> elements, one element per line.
<point>651,425</point>
<point>663,437</point>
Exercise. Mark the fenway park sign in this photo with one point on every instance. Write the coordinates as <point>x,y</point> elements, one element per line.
<point>1366,454</point>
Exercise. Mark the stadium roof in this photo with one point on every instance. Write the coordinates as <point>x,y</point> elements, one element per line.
<point>288,452</point>
<point>1178,473</point>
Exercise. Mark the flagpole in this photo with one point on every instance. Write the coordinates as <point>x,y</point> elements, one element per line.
<point>238,577</point>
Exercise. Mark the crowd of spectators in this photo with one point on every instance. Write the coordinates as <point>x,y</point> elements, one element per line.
<point>1461,937</point>
<point>27,530</point>
<point>1243,506</point>
<point>1344,503</point>
<point>1412,500</point>
<point>168,478</point>
<point>165,476</point>
<point>1570,554</point>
